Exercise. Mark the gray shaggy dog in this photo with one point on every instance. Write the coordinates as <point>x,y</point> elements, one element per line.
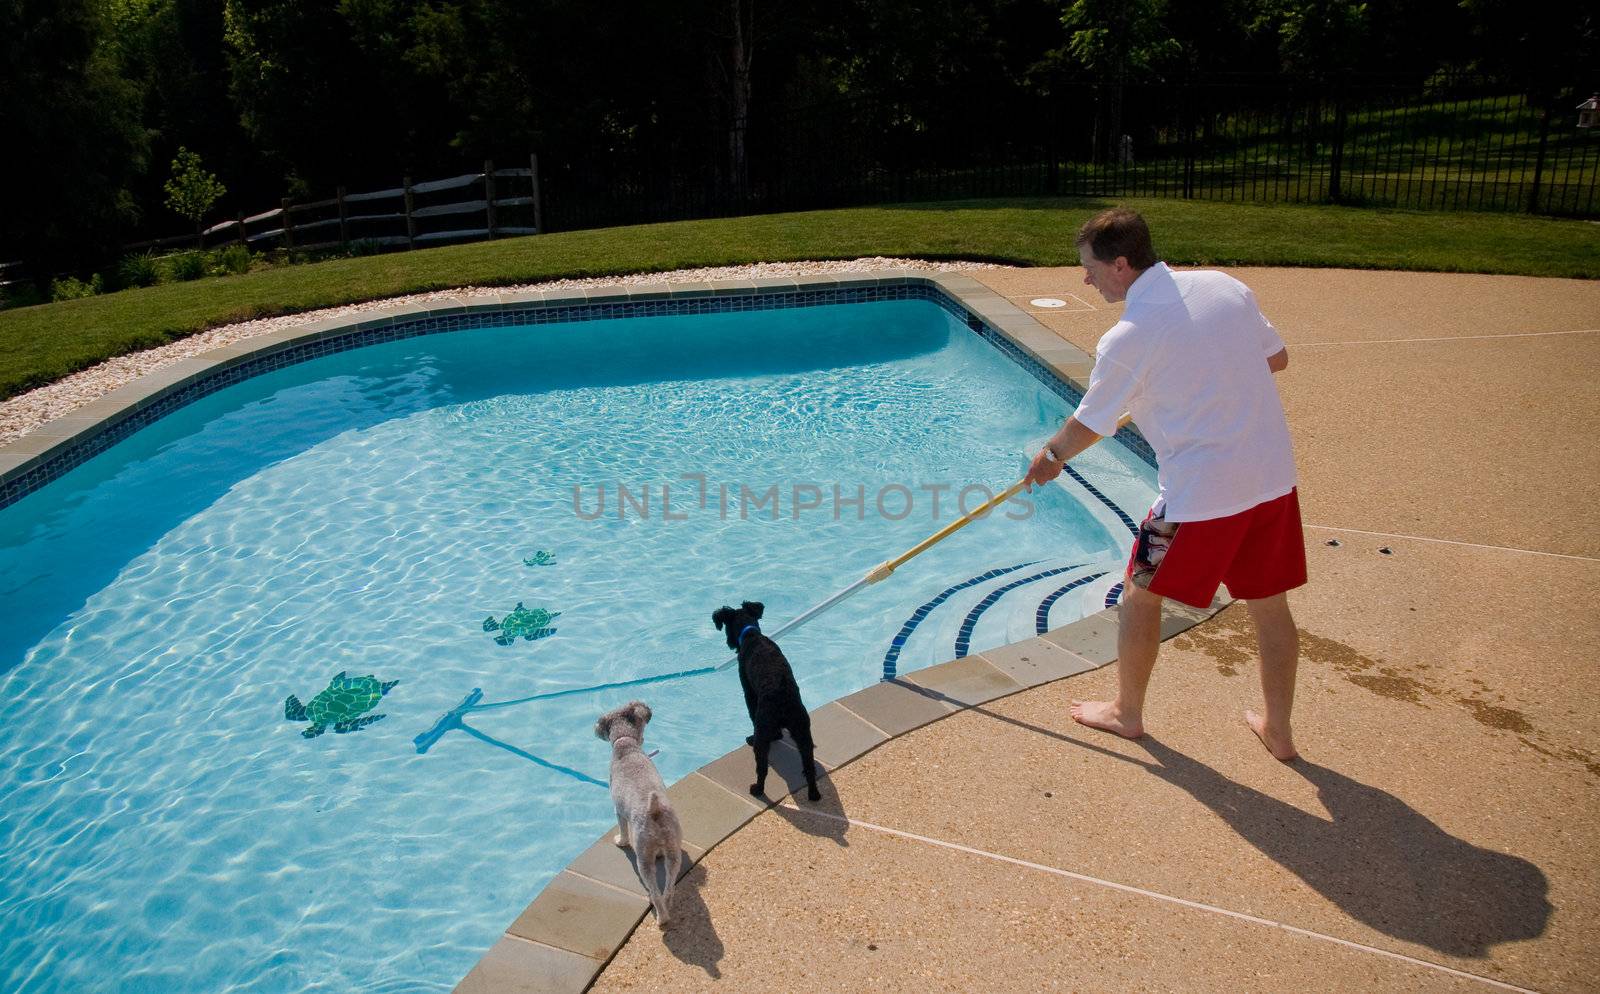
<point>645,819</point>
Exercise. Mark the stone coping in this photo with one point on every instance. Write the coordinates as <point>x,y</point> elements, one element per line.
<point>570,931</point>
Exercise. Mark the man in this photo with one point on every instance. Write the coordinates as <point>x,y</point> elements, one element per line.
<point>1192,361</point>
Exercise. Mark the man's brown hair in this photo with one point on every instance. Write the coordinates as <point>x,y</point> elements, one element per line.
<point>1115,232</point>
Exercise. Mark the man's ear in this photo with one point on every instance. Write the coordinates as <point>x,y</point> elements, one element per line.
<point>755,609</point>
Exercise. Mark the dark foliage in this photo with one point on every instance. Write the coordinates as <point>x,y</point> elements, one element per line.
<point>73,125</point>
<point>679,106</point>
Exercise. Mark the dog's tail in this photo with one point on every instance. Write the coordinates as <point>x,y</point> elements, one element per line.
<point>660,894</point>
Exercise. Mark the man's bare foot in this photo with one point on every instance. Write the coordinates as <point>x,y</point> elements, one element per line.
<point>1106,716</point>
<point>1281,746</point>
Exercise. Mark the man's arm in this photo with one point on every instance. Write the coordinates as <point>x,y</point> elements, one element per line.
<point>1072,439</point>
<point>1279,360</point>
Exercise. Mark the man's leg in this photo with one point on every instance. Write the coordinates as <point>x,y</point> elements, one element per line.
<point>1138,641</point>
<point>1279,641</point>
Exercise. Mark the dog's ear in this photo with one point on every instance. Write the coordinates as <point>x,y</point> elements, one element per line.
<point>641,713</point>
<point>602,728</point>
<point>721,616</point>
<point>755,608</point>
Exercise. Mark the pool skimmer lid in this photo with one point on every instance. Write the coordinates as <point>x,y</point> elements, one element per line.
<point>1047,302</point>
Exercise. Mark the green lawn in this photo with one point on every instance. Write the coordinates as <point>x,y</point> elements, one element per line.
<point>43,343</point>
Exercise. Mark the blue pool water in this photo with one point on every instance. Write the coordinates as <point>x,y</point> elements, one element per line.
<point>165,828</point>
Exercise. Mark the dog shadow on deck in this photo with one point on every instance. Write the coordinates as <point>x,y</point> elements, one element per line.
<point>691,936</point>
<point>786,791</point>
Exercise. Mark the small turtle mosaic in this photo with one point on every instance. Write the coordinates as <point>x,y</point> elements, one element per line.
<point>344,704</point>
<point>540,558</point>
<point>524,623</point>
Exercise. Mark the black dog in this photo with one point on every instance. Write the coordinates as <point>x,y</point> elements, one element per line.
<point>770,693</point>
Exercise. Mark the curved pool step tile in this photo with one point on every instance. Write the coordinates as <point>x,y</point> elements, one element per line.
<point>1041,616</point>
<point>1105,502</point>
<point>1114,594</point>
<point>891,657</point>
<point>969,623</point>
<point>1095,638</point>
<point>1030,591</point>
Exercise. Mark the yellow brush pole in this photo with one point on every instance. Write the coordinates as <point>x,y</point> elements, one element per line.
<point>883,570</point>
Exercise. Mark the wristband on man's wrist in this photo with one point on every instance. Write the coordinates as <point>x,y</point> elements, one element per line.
<point>1050,453</point>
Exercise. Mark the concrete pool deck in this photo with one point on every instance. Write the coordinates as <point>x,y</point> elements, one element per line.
<point>1439,831</point>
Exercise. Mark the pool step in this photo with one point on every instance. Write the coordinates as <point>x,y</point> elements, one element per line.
<point>1004,604</point>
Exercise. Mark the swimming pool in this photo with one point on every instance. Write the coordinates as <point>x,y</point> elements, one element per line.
<point>369,511</point>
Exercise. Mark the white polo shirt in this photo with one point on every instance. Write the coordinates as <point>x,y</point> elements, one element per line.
<point>1189,361</point>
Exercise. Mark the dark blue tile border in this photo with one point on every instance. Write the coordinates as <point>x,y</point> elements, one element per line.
<point>970,622</point>
<point>74,455</point>
<point>1113,595</point>
<point>1041,618</point>
<point>891,658</point>
<point>1119,512</point>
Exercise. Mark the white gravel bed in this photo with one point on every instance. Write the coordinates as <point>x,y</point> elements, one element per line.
<point>25,412</point>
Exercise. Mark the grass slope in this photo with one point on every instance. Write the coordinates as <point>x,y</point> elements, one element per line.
<point>44,343</point>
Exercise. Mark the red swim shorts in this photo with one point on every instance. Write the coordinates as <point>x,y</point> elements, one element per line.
<point>1259,552</point>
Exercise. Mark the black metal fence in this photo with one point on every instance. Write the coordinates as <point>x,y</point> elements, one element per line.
<point>1458,143</point>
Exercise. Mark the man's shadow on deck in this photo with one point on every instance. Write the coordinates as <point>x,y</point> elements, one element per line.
<point>1376,858</point>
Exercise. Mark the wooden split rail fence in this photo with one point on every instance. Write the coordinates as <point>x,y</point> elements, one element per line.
<point>408,215</point>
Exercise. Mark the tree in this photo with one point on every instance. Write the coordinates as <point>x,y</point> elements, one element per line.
<point>1119,38</point>
<point>192,190</point>
<point>173,50</point>
<point>322,95</point>
<point>74,125</point>
<point>733,57</point>
<point>1316,37</point>
<point>1116,40</point>
<point>1552,51</point>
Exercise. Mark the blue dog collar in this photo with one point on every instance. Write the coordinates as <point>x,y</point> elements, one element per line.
<point>747,630</point>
